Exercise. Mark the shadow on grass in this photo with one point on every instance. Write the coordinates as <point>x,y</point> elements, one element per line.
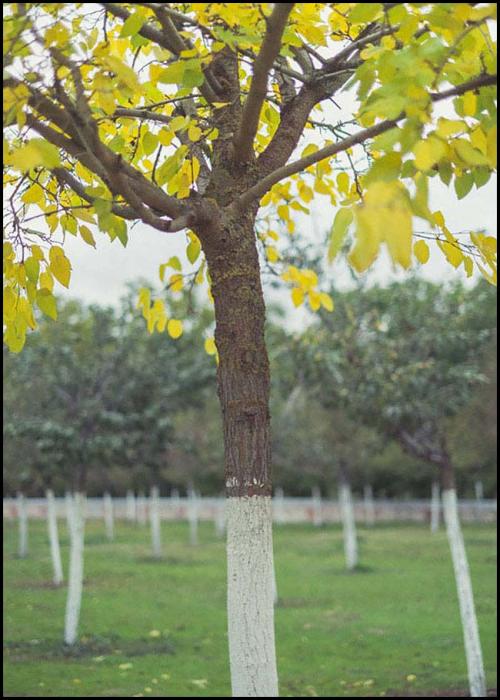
<point>87,646</point>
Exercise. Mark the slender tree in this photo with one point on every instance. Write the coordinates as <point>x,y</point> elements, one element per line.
<point>190,117</point>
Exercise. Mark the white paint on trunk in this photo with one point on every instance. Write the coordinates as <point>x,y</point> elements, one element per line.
<point>348,526</point>
<point>68,506</point>
<point>193,516</point>
<point>55,551</point>
<point>142,509</point>
<point>369,506</point>
<point>279,507</point>
<point>316,507</point>
<point>22,514</point>
<point>130,506</point>
<point>109,521</point>
<point>435,507</point>
<point>252,653</point>
<point>473,653</point>
<point>75,578</point>
<point>154,515</point>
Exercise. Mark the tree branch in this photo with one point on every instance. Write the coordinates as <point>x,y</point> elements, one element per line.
<point>269,51</point>
<point>297,166</point>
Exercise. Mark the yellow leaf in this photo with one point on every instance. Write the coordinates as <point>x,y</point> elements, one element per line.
<point>210,347</point>
<point>421,250</point>
<point>469,103</point>
<point>297,296</point>
<point>87,236</point>
<point>429,152</point>
<point>174,328</point>
<point>326,301</point>
<point>60,265</point>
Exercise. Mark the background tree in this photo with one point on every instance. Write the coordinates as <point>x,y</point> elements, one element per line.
<point>114,144</point>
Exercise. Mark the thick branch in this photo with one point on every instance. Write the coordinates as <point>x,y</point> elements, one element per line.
<point>298,165</point>
<point>269,51</point>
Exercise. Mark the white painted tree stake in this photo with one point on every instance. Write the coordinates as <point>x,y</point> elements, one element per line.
<point>193,516</point>
<point>55,551</point>
<point>174,503</point>
<point>250,597</point>
<point>435,507</point>
<point>316,507</point>
<point>154,515</point>
<point>130,506</point>
<point>75,578</point>
<point>369,506</point>
<point>22,513</point>
<point>109,524</point>
<point>142,514</point>
<point>348,526</point>
<point>279,507</point>
<point>473,653</point>
<point>220,518</point>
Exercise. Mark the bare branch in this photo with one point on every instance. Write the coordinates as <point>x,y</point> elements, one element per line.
<point>360,137</point>
<point>243,142</point>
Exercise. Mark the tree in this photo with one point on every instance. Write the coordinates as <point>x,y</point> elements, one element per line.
<point>189,117</point>
<point>404,360</point>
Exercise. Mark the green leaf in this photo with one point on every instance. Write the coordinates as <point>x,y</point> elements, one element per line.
<point>46,302</point>
<point>193,250</point>
<point>149,143</point>
<point>132,25</point>
<point>463,184</point>
<point>32,267</point>
<point>173,74</point>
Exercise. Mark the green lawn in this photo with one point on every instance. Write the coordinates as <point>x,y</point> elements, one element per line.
<point>159,628</point>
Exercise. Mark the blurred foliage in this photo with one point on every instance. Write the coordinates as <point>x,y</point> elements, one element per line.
<point>95,400</point>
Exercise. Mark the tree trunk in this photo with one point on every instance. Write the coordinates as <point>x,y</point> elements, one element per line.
<point>435,507</point>
<point>348,522</point>
<point>473,653</point>
<point>316,506</point>
<point>68,505</point>
<point>154,514</point>
<point>55,550</point>
<point>75,578</point>
<point>369,506</point>
<point>243,388</point>
<point>22,513</point>
<point>108,516</point>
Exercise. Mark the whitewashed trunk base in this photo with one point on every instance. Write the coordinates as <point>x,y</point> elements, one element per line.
<point>75,578</point>
<point>250,597</point>
<point>316,507</point>
<point>55,551</point>
<point>473,653</point>
<point>109,521</point>
<point>435,507</point>
<point>348,526</point>
<point>22,513</point>
<point>154,515</point>
<point>193,518</point>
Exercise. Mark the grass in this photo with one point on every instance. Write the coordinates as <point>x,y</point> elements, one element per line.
<point>158,628</point>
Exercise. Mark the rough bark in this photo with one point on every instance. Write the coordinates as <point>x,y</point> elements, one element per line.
<point>55,551</point>
<point>229,244</point>
<point>473,653</point>
<point>75,578</point>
